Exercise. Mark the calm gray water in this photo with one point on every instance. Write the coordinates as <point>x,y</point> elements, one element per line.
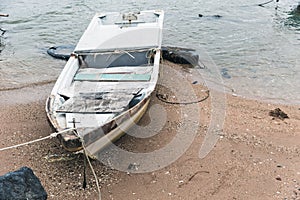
<point>255,49</point>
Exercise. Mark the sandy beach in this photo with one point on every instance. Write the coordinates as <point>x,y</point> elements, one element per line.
<point>257,156</point>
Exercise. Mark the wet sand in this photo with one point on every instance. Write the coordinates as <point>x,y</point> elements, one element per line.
<point>256,157</point>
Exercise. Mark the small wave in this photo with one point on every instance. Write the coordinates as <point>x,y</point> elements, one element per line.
<point>41,83</point>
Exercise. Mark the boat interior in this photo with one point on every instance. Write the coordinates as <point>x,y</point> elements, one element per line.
<point>120,66</point>
<point>117,58</point>
<point>103,71</point>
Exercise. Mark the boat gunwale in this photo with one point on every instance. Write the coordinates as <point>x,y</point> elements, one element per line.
<point>113,50</point>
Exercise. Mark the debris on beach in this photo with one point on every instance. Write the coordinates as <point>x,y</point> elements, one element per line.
<point>59,158</point>
<point>278,113</point>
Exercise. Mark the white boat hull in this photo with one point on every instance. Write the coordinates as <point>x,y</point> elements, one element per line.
<point>106,84</point>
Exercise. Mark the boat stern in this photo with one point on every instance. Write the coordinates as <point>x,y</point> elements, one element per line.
<point>68,139</point>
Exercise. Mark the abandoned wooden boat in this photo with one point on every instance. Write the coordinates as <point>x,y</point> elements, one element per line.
<point>106,84</point>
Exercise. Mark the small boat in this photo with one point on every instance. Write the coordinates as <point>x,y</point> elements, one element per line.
<point>105,86</point>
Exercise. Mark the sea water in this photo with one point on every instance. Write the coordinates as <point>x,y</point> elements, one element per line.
<point>255,50</point>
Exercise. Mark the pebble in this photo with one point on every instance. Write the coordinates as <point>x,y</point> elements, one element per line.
<point>133,166</point>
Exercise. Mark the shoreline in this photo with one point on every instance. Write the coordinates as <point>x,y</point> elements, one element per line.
<point>256,157</point>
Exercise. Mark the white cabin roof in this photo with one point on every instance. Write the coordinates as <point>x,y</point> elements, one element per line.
<point>123,31</point>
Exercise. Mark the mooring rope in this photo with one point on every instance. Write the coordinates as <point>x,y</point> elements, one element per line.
<point>93,171</point>
<point>52,135</point>
<point>85,153</point>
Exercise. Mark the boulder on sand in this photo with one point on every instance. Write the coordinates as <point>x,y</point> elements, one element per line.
<point>21,184</point>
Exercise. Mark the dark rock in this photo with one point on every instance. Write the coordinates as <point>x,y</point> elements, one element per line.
<point>21,185</point>
<point>3,31</point>
<point>180,55</point>
<point>217,16</point>
<point>61,52</point>
<point>225,74</point>
<point>278,114</point>
<point>4,15</point>
<point>278,178</point>
<point>210,16</point>
<point>296,9</point>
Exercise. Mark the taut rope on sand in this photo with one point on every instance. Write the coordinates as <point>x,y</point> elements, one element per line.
<point>52,135</point>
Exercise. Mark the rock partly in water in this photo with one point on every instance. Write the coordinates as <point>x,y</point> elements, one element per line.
<point>180,55</point>
<point>296,10</point>
<point>61,52</point>
<point>21,184</point>
<point>225,73</point>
